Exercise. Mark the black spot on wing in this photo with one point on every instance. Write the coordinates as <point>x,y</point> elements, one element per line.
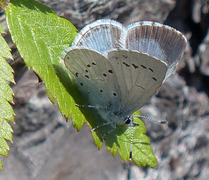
<point>110,71</point>
<point>135,66</point>
<point>96,29</point>
<point>144,67</point>
<point>67,57</point>
<point>80,43</point>
<point>127,65</point>
<point>105,27</point>
<point>154,78</point>
<point>87,34</point>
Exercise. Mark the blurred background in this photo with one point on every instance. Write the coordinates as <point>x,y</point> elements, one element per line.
<point>46,147</point>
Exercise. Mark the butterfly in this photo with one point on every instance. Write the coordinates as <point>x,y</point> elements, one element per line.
<point>119,68</point>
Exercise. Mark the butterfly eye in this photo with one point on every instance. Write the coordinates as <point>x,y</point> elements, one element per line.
<point>127,120</point>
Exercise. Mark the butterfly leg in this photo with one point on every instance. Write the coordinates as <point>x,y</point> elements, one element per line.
<point>88,106</point>
<point>105,124</point>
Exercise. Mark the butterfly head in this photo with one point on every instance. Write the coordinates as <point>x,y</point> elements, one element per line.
<point>120,119</point>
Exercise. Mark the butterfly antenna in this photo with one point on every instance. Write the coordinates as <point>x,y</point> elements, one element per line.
<point>152,119</point>
<point>131,145</point>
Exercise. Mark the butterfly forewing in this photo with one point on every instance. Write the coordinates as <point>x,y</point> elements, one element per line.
<point>95,76</point>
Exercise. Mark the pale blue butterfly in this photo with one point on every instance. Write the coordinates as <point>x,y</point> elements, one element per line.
<point>119,68</point>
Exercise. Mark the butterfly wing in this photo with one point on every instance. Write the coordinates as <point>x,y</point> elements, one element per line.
<point>139,77</point>
<point>102,36</point>
<point>95,76</point>
<point>160,41</point>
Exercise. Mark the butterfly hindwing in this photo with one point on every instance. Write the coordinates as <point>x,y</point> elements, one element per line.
<point>160,41</point>
<point>139,77</point>
<point>102,36</point>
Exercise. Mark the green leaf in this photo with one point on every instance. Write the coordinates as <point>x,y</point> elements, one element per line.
<point>6,97</point>
<point>127,139</point>
<point>41,37</point>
